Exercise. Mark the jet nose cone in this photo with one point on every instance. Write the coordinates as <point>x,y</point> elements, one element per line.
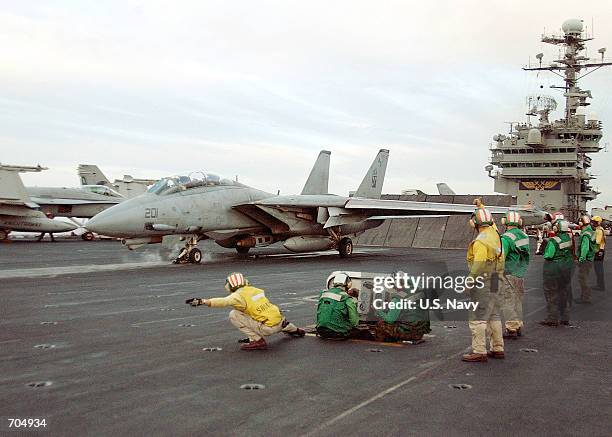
<point>113,222</point>
<point>59,226</point>
<point>102,223</point>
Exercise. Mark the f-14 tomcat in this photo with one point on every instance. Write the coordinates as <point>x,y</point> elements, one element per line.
<point>204,206</point>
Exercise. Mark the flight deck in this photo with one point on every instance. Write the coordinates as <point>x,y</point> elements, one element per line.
<point>97,340</point>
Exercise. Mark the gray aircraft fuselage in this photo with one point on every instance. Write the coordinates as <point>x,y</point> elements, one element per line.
<point>71,202</point>
<point>197,210</point>
<point>211,211</point>
<point>33,224</point>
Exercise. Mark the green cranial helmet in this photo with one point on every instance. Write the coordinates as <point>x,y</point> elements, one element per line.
<point>512,218</point>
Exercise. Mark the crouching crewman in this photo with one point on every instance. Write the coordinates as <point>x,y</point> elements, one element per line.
<point>337,315</point>
<point>253,314</point>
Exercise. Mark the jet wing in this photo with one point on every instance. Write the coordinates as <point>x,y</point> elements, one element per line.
<point>419,208</point>
<point>60,201</point>
<point>297,213</point>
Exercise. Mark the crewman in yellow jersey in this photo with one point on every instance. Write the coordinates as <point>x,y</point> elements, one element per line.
<point>253,314</point>
<point>485,260</point>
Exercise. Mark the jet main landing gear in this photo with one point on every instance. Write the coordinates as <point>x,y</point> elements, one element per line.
<point>345,247</point>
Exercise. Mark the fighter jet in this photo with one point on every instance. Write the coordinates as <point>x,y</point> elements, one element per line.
<point>18,211</point>
<point>204,206</point>
<point>128,187</point>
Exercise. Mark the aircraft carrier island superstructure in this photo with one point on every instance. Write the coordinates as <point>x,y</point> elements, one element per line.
<point>547,164</point>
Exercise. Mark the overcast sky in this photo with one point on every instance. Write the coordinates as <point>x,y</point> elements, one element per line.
<point>257,88</point>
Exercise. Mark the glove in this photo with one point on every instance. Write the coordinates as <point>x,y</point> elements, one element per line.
<point>194,301</point>
<point>353,292</point>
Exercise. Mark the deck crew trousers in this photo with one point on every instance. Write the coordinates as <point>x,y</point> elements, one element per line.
<point>513,290</point>
<point>256,330</point>
<point>485,321</point>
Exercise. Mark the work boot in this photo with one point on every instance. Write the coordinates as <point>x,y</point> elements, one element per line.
<point>255,345</point>
<point>298,333</point>
<point>564,322</point>
<point>508,333</point>
<point>475,358</point>
<point>553,323</point>
<point>244,340</point>
<point>496,354</point>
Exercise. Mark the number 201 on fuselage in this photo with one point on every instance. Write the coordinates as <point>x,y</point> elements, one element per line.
<point>151,212</point>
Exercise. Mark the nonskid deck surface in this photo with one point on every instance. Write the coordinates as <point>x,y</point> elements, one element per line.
<point>124,354</point>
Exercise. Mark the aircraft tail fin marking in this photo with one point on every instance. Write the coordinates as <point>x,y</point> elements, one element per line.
<point>371,186</point>
<point>92,175</point>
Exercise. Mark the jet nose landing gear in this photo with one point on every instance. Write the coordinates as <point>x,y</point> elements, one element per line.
<point>190,253</point>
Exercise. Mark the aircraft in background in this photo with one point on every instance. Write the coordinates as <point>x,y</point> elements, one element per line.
<point>128,187</point>
<point>82,202</point>
<point>203,206</point>
<point>18,211</point>
<point>444,189</point>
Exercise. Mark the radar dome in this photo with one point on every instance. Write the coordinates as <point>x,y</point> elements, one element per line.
<point>534,136</point>
<point>572,26</point>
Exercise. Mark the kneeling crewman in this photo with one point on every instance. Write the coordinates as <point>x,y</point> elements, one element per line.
<point>253,314</point>
<point>337,313</point>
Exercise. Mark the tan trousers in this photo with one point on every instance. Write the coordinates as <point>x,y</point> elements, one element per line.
<point>513,290</point>
<point>482,330</point>
<point>254,329</point>
<point>485,321</point>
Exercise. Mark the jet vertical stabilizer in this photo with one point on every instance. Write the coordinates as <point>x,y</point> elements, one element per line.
<point>371,186</point>
<point>92,175</point>
<point>444,189</point>
<point>318,180</point>
<point>11,186</point>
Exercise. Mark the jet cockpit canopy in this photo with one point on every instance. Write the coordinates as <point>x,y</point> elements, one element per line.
<point>101,189</point>
<point>174,184</point>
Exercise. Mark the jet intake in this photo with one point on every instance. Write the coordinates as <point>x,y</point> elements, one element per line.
<point>308,244</point>
<point>135,243</point>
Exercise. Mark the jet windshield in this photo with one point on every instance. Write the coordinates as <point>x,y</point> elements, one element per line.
<point>176,184</point>
<point>101,189</point>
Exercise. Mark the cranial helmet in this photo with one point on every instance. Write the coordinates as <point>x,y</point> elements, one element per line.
<point>512,218</point>
<point>481,217</point>
<point>561,226</point>
<point>341,280</point>
<point>597,219</point>
<point>234,281</point>
<point>585,220</point>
